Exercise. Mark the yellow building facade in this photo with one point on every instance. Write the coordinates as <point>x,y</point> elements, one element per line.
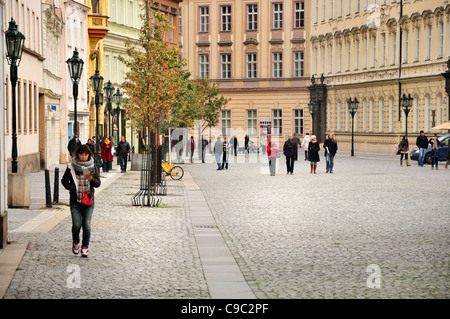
<point>255,51</point>
<point>376,51</point>
<point>97,28</point>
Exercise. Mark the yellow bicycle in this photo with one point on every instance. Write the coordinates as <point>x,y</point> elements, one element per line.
<point>175,172</point>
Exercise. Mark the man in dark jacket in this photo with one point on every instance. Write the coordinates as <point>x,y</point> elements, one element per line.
<point>204,144</point>
<point>422,144</point>
<point>123,150</point>
<point>330,146</point>
<point>289,149</point>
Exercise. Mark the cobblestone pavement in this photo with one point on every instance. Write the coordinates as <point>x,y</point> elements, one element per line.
<point>135,252</point>
<point>335,235</point>
<point>293,236</point>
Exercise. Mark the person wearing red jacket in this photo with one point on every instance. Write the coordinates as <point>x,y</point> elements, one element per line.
<point>106,154</point>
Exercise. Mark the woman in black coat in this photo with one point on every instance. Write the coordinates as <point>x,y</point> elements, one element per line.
<point>313,149</point>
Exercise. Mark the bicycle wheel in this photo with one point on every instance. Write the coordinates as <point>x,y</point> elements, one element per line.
<point>176,172</point>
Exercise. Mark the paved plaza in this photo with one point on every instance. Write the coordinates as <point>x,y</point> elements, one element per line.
<point>372,229</point>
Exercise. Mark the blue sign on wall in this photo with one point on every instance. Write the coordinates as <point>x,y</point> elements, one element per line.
<point>53,107</point>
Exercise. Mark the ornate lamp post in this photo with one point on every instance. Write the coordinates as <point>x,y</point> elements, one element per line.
<point>109,90</point>
<point>406,103</point>
<point>353,108</point>
<point>97,83</point>
<point>14,46</point>
<point>118,99</point>
<point>312,105</point>
<point>75,65</point>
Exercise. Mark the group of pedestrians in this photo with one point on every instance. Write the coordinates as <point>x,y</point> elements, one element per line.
<point>422,143</point>
<point>222,152</point>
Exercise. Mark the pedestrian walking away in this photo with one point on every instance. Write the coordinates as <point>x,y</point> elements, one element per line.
<point>434,151</point>
<point>235,143</point>
<point>80,179</point>
<point>246,140</point>
<point>305,145</point>
<point>226,153</point>
<point>289,149</point>
<point>313,149</point>
<point>123,151</point>
<point>72,146</point>
<point>204,144</point>
<point>422,144</point>
<point>403,146</point>
<point>192,148</point>
<point>331,147</point>
<point>106,154</point>
<point>272,153</point>
<point>218,150</point>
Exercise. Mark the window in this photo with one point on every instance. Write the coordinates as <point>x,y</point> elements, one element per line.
<point>204,19</point>
<point>406,47</point>
<point>180,22</point>
<point>417,44</point>
<point>226,123</point>
<point>298,64</point>
<point>381,116</point>
<point>348,55</point>
<point>95,6</point>
<point>340,58</point>
<point>330,59</point>
<point>299,14</point>
<point>252,17</point>
<point>357,55</point>
<point>391,115</point>
<point>298,122</point>
<point>226,18</point>
<point>323,9</point>
<point>131,14</point>
<point>225,66</point>
<point>383,49</point>
<point>277,121</point>
<point>374,53</point>
<point>171,30</point>
<point>331,9</point>
<point>349,8</point>
<point>277,15</point>
<point>429,42</point>
<point>251,65</point>
<point>252,128</point>
<point>441,40</point>
<point>394,48</point>
<point>277,65</point>
<point>204,65</point>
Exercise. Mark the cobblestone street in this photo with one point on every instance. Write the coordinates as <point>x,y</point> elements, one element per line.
<point>293,236</point>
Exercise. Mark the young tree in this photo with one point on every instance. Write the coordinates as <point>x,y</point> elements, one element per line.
<point>155,76</point>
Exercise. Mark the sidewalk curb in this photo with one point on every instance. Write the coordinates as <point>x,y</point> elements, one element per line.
<point>10,259</point>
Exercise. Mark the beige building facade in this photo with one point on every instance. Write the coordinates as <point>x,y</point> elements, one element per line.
<point>256,52</point>
<point>376,51</point>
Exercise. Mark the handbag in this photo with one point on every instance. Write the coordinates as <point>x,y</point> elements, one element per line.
<point>85,198</point>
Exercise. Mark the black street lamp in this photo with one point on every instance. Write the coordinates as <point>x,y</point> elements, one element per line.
<point>353,108</point>
<point>14,46</point>
<point>97,83</point>
<point>118,99</point>
<point>75,65</point>
<point>406,103</point>
<point>109,90</point>
<point>312,105</point>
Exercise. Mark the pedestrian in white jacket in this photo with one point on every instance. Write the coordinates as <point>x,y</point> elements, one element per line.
<point>305,144</point>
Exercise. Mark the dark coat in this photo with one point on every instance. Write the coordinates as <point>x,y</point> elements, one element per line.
<point>314,149</point>
<point>123,148</point>
<point>69,184</point>
<point>290,147</point>
<point>332,146</point>
<point>422,141</point>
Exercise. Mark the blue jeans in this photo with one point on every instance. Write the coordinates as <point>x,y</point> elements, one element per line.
<point>421,156</point>
<point>218,160</point>
<point>81,218</point>
<point>330,162</point>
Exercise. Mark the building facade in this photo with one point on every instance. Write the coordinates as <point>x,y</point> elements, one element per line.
<point>256,52</point>
<point>29,89</point>
<point>376,51</point>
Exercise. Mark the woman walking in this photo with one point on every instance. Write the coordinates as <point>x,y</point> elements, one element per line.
<point>313,150</point>
<point>106,154</point>
<point>434,151</point>
<point>331,147</point>
<point>403,146</point>
<point>272,151</point>
<point>80,179</point>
